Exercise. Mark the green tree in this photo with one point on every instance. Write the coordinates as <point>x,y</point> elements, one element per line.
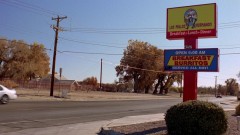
<point>222,89</point>
<point>123,86</point>
<point>165,81</point>
<point>38,61</point>
<point>179,79</point>
<point>17,55</point>
<point>22,61</point>
<point>90,81</point>
<point>232,86</point>
<point>140,63</point>
<point>4,57</point>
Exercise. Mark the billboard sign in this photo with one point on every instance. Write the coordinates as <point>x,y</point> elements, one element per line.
<point>191,60</point>
<point>196,21</point>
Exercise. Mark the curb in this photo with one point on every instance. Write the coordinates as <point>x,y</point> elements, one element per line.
<point>107,131</point>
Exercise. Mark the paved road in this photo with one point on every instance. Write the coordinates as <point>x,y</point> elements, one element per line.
<point>23,115</point>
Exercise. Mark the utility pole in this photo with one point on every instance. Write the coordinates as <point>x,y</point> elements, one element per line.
<point>215,86</point>
<point>56,29</point>
<point>101,76</point>
<point>181,85</point>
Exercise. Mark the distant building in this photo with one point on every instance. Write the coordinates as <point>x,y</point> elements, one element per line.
<point>59,83</point>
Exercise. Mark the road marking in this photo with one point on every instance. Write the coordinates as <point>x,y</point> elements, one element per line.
<point>43,120</point>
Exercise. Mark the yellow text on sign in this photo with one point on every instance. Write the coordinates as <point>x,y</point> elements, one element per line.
<point>196,60</point>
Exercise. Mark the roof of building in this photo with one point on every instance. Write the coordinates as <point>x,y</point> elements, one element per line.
<point>56,76</point>
<point>66,82</point>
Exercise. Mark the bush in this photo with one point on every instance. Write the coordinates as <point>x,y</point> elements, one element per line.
<point>196,118</point>
<point>9,84</point>
<point>174,89</point>
<point>237,111</point>
<point>109,87</point>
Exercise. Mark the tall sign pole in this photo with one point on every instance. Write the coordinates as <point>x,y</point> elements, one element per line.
<point>56,29</point>
<point>191,23</point>
<point>190,77</point>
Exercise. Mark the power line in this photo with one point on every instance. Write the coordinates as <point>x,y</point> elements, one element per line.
<point>229,22</point>
<point>110,63</point>
<point>113,30</point>
<point>211,78</point>
<point>97,53</point>
<point>139,30</point>
<point>21,7</point>
<point>78,52</point>
<point>35,7</point>
<point>106,44</point>
<point>230,54</point>
<point>24,30</point>
<point>17,41</point>
<point>13,28</point>
<point>230,48</point>
<point>72,52</point>
<point>30,7</point>
<point>89,43</point>
<point>113,64</point>
<point>155,30</point>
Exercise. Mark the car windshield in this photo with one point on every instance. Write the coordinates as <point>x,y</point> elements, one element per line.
<point>4,87</point>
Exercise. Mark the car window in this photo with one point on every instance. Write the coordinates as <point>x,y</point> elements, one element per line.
<point>1,88</point>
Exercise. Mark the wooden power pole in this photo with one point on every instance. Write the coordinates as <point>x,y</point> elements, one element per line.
<point>56,29</point>
<point>216,92</point>
<point>101,76</point>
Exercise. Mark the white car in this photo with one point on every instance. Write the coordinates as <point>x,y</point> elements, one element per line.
<point>7,94</point>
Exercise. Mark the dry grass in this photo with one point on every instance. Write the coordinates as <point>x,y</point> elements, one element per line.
<point>43,95</point>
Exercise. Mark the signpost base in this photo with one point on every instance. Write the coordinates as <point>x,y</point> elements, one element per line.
<point>190,86</point>
<point>190,77</point>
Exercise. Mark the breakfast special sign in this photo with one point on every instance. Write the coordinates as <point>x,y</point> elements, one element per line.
<point>192,21</point>
<point>191,59</point>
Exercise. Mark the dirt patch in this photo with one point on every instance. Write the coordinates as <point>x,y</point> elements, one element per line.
<point>44,95</point>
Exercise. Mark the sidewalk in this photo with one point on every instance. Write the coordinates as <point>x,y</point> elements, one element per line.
<point>90,128</point>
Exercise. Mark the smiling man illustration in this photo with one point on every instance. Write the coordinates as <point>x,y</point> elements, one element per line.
<point>190,18</point>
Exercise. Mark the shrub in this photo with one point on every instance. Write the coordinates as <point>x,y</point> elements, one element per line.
<point>196,118</point>
<point>9,84</point>
<point>237,111</point>
<point>109,87</point>
<point>174,89</point>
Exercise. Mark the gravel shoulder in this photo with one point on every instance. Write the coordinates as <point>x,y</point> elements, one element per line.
<point>159,127</point>
<point>43,95</point>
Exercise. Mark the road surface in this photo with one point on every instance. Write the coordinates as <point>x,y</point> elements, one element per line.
<point>17,116</point>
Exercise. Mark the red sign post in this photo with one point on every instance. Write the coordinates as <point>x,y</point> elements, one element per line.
<point>190,23</point>
<point>190,77</point>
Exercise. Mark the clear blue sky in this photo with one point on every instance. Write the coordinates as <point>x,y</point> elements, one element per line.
<point>92,24</point>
